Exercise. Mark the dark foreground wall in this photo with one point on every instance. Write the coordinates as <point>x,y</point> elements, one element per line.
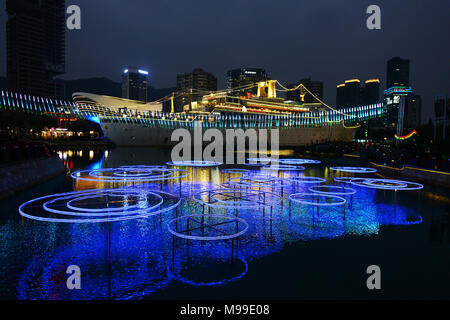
<point>19,176</point>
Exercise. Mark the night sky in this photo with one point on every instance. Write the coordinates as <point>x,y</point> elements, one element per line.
<point>292,39</point>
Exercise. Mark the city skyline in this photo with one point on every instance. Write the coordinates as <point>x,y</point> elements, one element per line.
<point>181,151</point>
<point>361,54</point>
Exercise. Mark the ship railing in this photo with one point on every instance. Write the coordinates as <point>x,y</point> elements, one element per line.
<point>57,108</point>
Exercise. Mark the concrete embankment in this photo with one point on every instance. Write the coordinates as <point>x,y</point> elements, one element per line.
<point>22,175</point>
<point>425,176</point>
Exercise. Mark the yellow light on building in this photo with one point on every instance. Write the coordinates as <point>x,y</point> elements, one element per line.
<point>352,80</point>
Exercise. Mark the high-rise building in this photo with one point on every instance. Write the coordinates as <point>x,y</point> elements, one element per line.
<point>394,107</point>
<point>370,94</point>
<point>397,73</point>
<point>193,86</point>
<point>351,94</point>
<point>348,94</point>
<point>238,79</point>
<point>134,84</point>
<point>315,87</point>
<point>35,46</point>
<point>413,112</point>
<point>396,93</point>
<point>341,96</point>
<point>442,109</point>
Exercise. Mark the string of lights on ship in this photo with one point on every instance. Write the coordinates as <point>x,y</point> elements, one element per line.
<point>348,117</point>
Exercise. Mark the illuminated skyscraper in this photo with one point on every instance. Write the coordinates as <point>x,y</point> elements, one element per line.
<point>370,94</point>
<point>397,73</point>
<point>351,94</point>
<point>348,94</point>
<point>35,43</point>
<point>341,96</point>
<point>395,95</point>
<point>134,84</point>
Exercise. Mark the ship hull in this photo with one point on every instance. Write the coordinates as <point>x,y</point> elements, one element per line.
<point>131,134</point>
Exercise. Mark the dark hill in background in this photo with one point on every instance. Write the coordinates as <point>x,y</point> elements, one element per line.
<point>103,86</point>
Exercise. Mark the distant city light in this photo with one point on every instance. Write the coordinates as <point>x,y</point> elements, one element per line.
<point>143,72</point>
<point>125,71</point>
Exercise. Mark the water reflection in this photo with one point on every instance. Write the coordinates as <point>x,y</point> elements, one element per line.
<point>133,259</point>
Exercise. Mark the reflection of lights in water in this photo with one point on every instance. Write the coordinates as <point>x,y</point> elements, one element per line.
<point>205,273</point>
<point>283,152</point>
<point>143,259</point>
<point>62,155</point>
<point>129,271</point>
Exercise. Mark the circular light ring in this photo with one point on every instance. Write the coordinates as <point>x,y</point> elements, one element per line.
<point>343,179</point>
<point>255,164</point>
<point>215,283</point>
<point>387,184</point>
<point>384,183</point>
<point>222,197</point>
<point>194,163</point>
<point>354,169</point>
<point>358,180</point>
<point>188,189</point>
<point>259,181</point>
<point>303,198</point>
<point>99,212</point>
<point>116,175</point>
<point>261,160</point>
<point>143,167</point>
<point>307,180</point>
<point>112,173</point>
<point>195,217</point>
<point>70,203</point>
<point>333,190</point>
<point>409,222</point>
<point>132,172</point>
<point>86,212</point>
<point>44,204</point>
<point>298,161</point>
<point>284,167</point>
<point>238,199</point>
<point>231,171</point>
